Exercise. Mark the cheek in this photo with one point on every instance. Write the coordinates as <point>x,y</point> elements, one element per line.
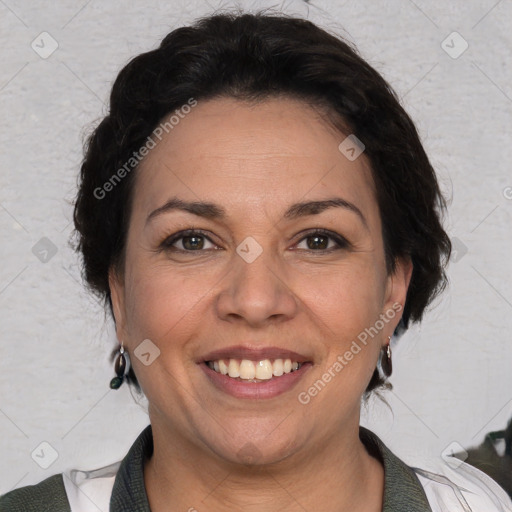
<point>347,303</point>
<point>165,308</point>
<point>347,297</point>
<point>162,303</point>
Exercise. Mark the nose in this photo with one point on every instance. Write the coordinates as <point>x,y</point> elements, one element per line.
<point>256,293</point>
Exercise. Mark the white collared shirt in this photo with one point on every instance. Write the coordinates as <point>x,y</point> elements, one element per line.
<point>464,489</point>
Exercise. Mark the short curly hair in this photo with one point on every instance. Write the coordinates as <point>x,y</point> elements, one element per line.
<point>254,57</point>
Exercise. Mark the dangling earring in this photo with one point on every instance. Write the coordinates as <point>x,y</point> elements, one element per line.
<point>385,360</point>
<point>120,368</point>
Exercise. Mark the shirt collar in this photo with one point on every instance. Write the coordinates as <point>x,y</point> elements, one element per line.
<point>402,489</point>
<point>129,492</point>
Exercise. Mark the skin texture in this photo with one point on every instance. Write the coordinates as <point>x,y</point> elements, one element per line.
<point>255,160</point>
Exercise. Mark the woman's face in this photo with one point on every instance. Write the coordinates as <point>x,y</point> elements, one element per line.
<point>255,284</point>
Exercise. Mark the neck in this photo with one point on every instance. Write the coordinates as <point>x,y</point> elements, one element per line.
<point>339,475</point>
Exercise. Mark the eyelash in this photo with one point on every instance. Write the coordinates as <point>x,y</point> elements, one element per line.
<point>341,242</point>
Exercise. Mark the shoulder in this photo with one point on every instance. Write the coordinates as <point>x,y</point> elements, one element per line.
<point>46,496</point>
<point>83,491</point>
<point>90,491</point>
<point>460,486</point>
<point>436,484</point>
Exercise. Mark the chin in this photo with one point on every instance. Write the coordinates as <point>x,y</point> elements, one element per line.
<point>255,447</point>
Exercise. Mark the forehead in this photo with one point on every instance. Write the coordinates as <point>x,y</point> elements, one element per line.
<point>261,154</point>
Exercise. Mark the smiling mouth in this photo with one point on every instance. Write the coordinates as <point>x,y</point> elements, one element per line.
<point>254,371</point>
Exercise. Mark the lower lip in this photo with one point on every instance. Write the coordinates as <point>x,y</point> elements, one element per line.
<point>256,390</point>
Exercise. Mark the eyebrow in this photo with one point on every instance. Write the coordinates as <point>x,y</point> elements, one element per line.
<point>212,211</point>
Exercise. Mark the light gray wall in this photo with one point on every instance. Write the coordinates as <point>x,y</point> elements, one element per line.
<point>452,375</point>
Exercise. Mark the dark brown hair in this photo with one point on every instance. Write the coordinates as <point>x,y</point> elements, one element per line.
<point>253,57</point>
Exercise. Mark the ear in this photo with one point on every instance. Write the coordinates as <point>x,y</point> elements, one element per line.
<point>116,285</point>
<point>396,290</point>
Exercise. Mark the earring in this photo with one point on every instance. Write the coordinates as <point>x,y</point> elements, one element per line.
<point>120,368</point>
<point>385,360</point>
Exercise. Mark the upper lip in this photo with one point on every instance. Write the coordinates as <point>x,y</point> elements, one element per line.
<point>254,354</point>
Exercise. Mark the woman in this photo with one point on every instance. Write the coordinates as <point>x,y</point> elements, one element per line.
<point>259,214</point>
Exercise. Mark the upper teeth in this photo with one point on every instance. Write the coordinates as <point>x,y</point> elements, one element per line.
<point>247,369</point>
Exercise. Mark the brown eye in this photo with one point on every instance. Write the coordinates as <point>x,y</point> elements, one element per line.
<point>193,242</point>
<point>187,241</point>
<point>317,242</point>
<point>321,240</point>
